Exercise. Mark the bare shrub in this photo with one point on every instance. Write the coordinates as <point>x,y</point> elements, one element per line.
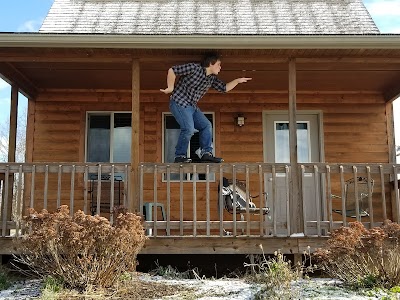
<point>363,258</point>
<point>82,250</point>
<point>277,275</point>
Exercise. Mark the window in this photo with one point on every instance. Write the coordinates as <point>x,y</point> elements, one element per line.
<point>282,154</point>
<point>109,137</point>
<point>171,132</point>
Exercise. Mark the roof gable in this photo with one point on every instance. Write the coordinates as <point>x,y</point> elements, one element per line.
<point>214,17</point>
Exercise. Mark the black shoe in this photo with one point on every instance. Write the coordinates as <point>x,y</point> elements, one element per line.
<point>208,157</point>
<point>182,159</point>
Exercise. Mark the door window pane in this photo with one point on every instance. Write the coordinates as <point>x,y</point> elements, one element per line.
<point>282,154</point>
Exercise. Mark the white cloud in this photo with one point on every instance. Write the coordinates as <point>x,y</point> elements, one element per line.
<point>30,26</point>
<point>383,8</point>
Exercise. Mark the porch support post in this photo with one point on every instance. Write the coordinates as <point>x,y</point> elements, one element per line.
<point>295,201</point>
<point>12,139</point>
<point>12,144</point>
<point>392,156</point>
<point>133,184</point>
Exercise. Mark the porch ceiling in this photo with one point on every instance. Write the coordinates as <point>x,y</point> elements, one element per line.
<point>317,70</point>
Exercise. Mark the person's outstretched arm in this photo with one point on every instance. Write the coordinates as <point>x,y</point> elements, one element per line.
<point>170,82</point>
<point>231,85</point>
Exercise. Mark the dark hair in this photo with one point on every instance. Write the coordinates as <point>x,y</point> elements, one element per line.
<point>210,59</point>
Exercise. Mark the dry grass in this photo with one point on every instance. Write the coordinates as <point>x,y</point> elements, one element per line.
<point>80,250</point>
<point>363,258</point>
<point>277,275</point>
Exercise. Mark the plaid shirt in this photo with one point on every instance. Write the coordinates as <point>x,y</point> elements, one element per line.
<point>193,84</point>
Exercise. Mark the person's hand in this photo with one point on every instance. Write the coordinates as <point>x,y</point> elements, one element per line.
<point>167,90</point>
<point>243,79</point>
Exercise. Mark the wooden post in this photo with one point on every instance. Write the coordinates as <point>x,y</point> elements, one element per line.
<point>392,156</point>
<point>295,200</point>
<point>134,199</point>
<point>30,128</point>
<point>12,143</point>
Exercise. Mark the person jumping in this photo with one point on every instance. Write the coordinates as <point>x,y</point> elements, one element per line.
<point>194,81</point>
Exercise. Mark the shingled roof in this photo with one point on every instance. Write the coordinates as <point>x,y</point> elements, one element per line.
<point>209,17</point>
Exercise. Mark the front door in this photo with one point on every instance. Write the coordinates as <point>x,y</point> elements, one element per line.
<point>276,150</point>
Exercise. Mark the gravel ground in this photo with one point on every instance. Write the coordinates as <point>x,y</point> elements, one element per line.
<point>316,288</point>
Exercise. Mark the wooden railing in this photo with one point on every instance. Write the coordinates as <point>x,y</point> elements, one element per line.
<point>190,196</point>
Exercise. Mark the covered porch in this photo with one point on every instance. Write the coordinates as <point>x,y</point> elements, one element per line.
<point>348,87</point>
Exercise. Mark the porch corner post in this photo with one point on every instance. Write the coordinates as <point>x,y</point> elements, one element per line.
<point>295,199</point>
<point>12,145</point>
<point>133,182</point>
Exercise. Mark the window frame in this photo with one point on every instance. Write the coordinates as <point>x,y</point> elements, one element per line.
<point>103,113</point>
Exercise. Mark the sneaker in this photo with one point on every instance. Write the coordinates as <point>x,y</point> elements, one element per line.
<point>182,159</point>
<point>208,157</point>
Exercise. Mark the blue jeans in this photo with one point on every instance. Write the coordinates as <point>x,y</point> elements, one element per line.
<point>190,118</point>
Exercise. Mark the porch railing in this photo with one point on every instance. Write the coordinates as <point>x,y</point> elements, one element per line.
<point>190,195</point>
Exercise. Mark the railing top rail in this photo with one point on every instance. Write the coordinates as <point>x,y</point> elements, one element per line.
<point>64,167</point>
<point>239,167</point>
<point>350,168</point>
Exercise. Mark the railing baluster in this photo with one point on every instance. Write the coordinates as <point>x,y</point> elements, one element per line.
<point>208,199</point>
<point>194,200</point>
<point>168,200</point>
<point>248,220</point>
<point>71,200</point>
<point>234,200</point>
<point>112,183</point>
<point>98,189</point>
<point>303,171</point>
<point>220,206</point>
<point>370,206</point>
<point>396,192</point>
<point>141,187</point>
<point>59,186</point>
<point>18,202</point>
<point>126,187</point>
<point>342,189</point>
<point>355,176</point>
<point>155,217</point>
<point>181,200</point>
<point>383,194</point>
<point>46,186</point>
<point>5,201</point>
<point>274,196</point>
<point>32,200</point>
<point>85,192</point>
<point>287,174</point>
<point>317,199</point>
<point>262,199</point>
<point>329,194</point>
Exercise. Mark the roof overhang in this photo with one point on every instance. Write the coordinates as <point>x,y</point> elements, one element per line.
<point>383,41</point>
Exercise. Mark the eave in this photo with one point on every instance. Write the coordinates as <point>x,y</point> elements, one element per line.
<point>384,41</point>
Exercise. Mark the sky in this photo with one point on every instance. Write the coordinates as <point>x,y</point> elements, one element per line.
<point>28,15</point>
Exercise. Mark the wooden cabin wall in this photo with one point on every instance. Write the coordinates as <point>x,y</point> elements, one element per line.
<point>354,127</point>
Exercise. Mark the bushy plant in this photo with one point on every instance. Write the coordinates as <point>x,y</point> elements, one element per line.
<point>363,257</point>
<point>277,275</point>
<point>80,250</point>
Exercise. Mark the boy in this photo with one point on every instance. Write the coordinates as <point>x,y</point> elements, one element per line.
<point>193,83</point>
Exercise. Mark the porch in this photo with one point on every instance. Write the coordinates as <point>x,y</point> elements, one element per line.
<point>194,219</point>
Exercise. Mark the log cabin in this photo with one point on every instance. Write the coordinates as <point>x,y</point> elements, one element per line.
<point>310,135</point>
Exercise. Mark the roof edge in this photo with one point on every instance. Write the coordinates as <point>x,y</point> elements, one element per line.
<point>38,40</point>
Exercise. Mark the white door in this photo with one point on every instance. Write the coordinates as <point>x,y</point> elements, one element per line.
<point>276,150</point>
